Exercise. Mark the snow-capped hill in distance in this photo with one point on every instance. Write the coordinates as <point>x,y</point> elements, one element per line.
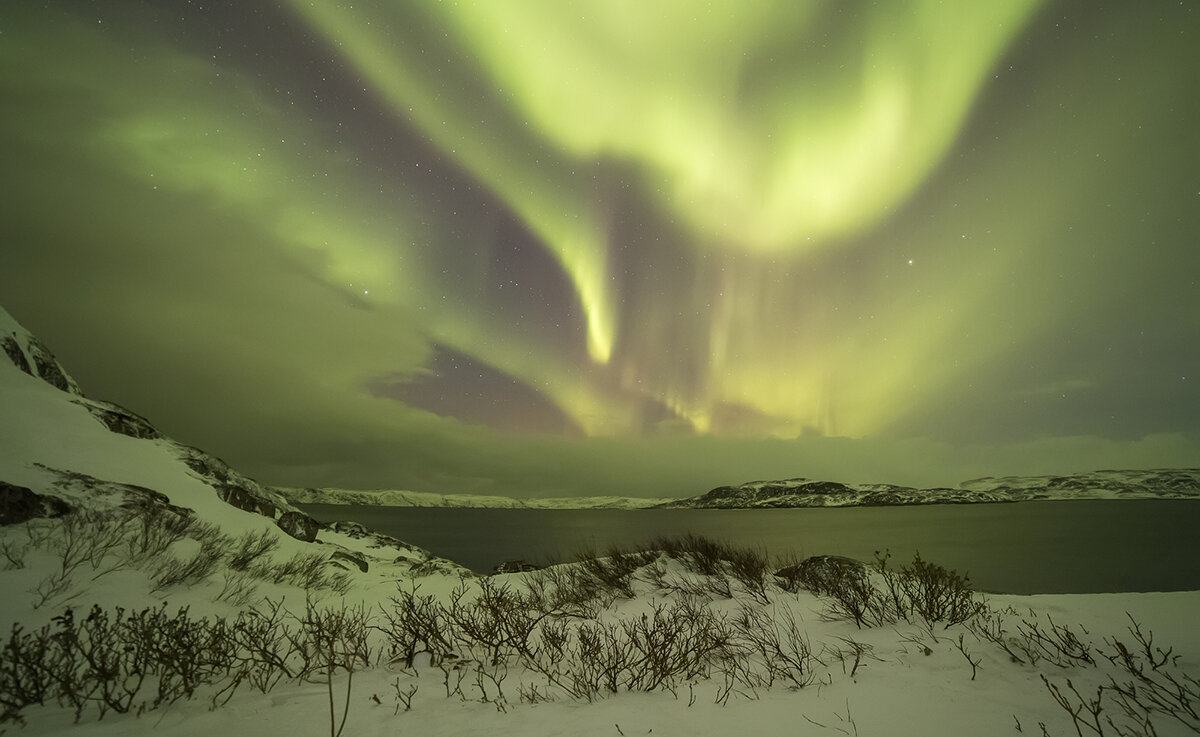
<point>394,498</point>
<point>804,492</point>
<point>61,450</point>
<point>801,492</point>
<point>1108,484</point>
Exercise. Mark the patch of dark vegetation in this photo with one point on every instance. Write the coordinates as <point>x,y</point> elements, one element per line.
<point>708,613</point>
<point>126,661</point>
<point>89,543</point>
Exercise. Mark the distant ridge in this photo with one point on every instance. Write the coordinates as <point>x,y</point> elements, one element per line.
<point>1180,483</point>
<point>394,498</point>
<point>1167,483</point>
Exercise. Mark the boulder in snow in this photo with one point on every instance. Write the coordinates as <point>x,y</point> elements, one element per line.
<point>299,525</point>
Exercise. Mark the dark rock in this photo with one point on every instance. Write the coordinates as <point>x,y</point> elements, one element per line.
<point>15,354</point>
<point>821,572</point>
<point>515,566</point>
<point>353,558</point>
<point>48,368</point>
<point>437,566</point>
<point>21,504</point>
<point>244,499</point>
<point>120,420</point>
<point>232,487</point>
<point>299,525</point>
<point>351,529</point>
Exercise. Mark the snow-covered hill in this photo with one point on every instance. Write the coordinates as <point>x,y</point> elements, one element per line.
<point>1178,483</point>
<point>61,450</point>
<point>1181,483</point>
<point>393,498</point>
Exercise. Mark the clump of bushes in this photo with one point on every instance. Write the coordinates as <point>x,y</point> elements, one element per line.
<point>558,627</point>
<point>88,544</point>
<point>135,661</point>
<point>919,591</point>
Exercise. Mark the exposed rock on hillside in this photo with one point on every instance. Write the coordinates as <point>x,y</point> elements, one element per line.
<point>89,490</point>
<point>232,487</point>
<point>299,525</point>
<point>20,504</point>
<point>120,420</point>
<point>29,355</point>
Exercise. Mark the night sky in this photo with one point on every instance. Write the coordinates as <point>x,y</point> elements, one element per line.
<point>546,248</point>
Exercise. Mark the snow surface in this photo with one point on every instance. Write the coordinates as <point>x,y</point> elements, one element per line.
<point>898,692</point>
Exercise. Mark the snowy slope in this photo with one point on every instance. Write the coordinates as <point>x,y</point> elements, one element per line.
<point>58,443</point>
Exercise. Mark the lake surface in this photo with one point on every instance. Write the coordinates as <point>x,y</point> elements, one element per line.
<point>1022,548</point>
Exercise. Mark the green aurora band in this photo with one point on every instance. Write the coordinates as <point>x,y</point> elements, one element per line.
<point>761,220</point>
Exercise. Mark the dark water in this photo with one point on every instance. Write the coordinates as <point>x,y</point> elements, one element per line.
<point>1029,547</point>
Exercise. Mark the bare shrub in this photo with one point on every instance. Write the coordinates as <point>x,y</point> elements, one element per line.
<point>614,571</point>
<point>921,589</point>
<point>852,654</point>
<point>414,624</point>
<point>751,567</point>
<point>569,589</point>
<point>332,640</point>
<point>238,589</point>
<point>250,548</point>
<point>929,591</point>
<point>152,533</point>
<point>172,571</point>
<point>1149,685</point>
<point>1052,642</point>
<point>972,660</point>
<point>852,596</point>
<point>780,644</point>
<point>670,645</point>
<point>13,554</point>
<point>308,571</point>
<point>498,618</point>
<point>699,554</point>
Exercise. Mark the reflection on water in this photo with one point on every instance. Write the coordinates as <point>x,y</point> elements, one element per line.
<point>1029,547</point>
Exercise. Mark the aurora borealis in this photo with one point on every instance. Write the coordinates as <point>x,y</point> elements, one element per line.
<point>613,247</point>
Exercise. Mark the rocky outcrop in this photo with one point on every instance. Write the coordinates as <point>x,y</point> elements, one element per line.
<point>120,420</point>
<point>49,369</point>
<point>244,499</point>
<point>76,485</point>
<point>232,487</point>
<point>347,558</point>
<point>20,504</point>
<point>299,525</point>
<point>15,354</point>
<point>32,356</point>
<point>515,566</point>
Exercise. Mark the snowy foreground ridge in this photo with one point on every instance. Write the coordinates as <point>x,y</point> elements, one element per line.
<point>150,589</point>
